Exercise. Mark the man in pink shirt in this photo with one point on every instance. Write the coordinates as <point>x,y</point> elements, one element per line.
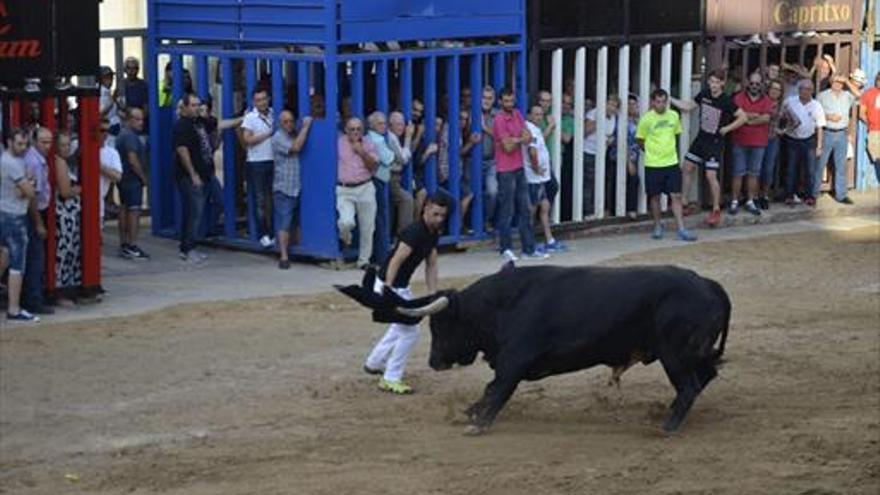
<point>355,193</point>
<point>749,143</point>
<point>510,135</point>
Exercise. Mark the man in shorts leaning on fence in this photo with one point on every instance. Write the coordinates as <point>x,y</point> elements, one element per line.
<point>657,135</point>
<point>16,192</point>
<point>707,150</point>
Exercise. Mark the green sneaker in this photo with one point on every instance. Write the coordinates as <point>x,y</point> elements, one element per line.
<point>395,387</point>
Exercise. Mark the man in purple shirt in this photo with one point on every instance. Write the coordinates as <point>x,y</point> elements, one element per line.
<point>355,193</point>
<point>510,134</point>
<point>37,168</point>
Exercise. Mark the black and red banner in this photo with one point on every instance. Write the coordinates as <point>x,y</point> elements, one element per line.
<point>47,38</point>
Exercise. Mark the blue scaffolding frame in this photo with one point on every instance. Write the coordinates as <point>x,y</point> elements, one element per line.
<point>271,34</point>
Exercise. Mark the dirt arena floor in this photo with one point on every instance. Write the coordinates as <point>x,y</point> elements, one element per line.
<point>268,397</point>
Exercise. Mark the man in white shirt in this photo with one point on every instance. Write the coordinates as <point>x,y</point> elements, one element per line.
<point>111,164</point>
<point>257,127</point>
<point>536,163</point>
<point>591,145</point>
<point>802,141</point>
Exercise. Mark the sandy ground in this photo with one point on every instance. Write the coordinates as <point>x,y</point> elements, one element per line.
<point>267,397</point>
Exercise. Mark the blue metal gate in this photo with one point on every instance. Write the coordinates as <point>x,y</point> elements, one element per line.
<point>308,52</point>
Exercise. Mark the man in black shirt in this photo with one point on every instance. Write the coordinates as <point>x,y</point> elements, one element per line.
<point>193,172</point>
<point>416,243</point>
<point>707,150</point>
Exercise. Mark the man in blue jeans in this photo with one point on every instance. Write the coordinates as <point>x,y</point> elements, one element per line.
<point>16,192</point>
<point>194,171</point>
<point>258,127</point>
<point>33,292</point>
<point>510,134</point>
<point>802,141</point>
<point>837,104</point>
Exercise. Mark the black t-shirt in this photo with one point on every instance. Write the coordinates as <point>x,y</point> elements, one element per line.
<point>186,133</point>
<point>422,242</point>
<point>715,113</point>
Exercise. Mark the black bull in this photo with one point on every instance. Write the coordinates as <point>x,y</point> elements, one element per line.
<point>538,321</point>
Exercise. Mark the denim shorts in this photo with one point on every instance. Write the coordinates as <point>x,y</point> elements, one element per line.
<point>538,193</point>
<point>131,192</point>
<point>13,235</point>
<point>286,212</point>
<point>747,160</point>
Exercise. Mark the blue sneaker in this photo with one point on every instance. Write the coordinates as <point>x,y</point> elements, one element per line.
<point>657,234</point>
<point>556,246</point>
<point>686,235</point>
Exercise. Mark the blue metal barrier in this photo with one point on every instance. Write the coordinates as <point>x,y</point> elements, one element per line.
<point>265,43</point>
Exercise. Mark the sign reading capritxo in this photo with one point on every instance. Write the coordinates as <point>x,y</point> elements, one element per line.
<point>814,14</point>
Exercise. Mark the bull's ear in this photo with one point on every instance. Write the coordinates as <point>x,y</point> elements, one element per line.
<point>507,266</point>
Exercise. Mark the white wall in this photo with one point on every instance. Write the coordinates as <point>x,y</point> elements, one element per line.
<point>122,14</point>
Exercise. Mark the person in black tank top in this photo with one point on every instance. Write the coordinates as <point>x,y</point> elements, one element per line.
<point>719,116</point>
<point>416,243</point>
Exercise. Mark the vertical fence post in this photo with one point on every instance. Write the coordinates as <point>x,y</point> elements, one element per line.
<point>476,158</point>
<point>382,106</point>
<point>556,138</point>
<point>601,132</point>
<point>229,179</point>
<point>665,83</point>
<point>89,181</point>
<point>453,127</point>
<point>622,131</point>
<point>406,97</point>
<point>202,77</point>
<point>278,95</point>
<point>303,104</point>
<point>577,194</point>
<point>498,76</point>
<point>684,139</point>
<point>357,90</point>
<point>644,106</point>
<point>47,114</point>
<point>430,121</point>
<point>382,103</point>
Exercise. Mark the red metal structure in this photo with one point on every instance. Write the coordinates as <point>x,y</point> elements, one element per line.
<point>55,115</point>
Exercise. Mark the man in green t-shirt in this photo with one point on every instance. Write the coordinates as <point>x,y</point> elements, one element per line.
<point>657,135</point>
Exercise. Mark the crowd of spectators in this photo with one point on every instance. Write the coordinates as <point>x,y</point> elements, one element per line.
<point>784,115</point>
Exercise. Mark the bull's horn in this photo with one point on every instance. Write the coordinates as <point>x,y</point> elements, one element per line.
<point>431,308</point>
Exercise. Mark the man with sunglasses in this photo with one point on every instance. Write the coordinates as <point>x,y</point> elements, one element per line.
<point>355,193</point>
<point>749,143</point>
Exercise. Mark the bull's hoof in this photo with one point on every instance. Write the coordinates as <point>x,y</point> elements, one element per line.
<point>474,430</point>
<point>671,426</point>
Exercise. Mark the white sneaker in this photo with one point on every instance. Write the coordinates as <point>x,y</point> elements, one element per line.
<point>795,199</point>
<point>754,39</point>
<point>345,237</point>
<point>508,255</point>
<point>266,241</point>
<point>193,256</point>
<point>772,38</point>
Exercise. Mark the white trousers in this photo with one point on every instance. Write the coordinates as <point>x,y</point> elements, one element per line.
<point>393,349</point>
<point>360,200</point>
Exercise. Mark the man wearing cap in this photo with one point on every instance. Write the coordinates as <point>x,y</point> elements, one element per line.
<point>837,105</point>
<point>109,103</point>
<point>869,112</point>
